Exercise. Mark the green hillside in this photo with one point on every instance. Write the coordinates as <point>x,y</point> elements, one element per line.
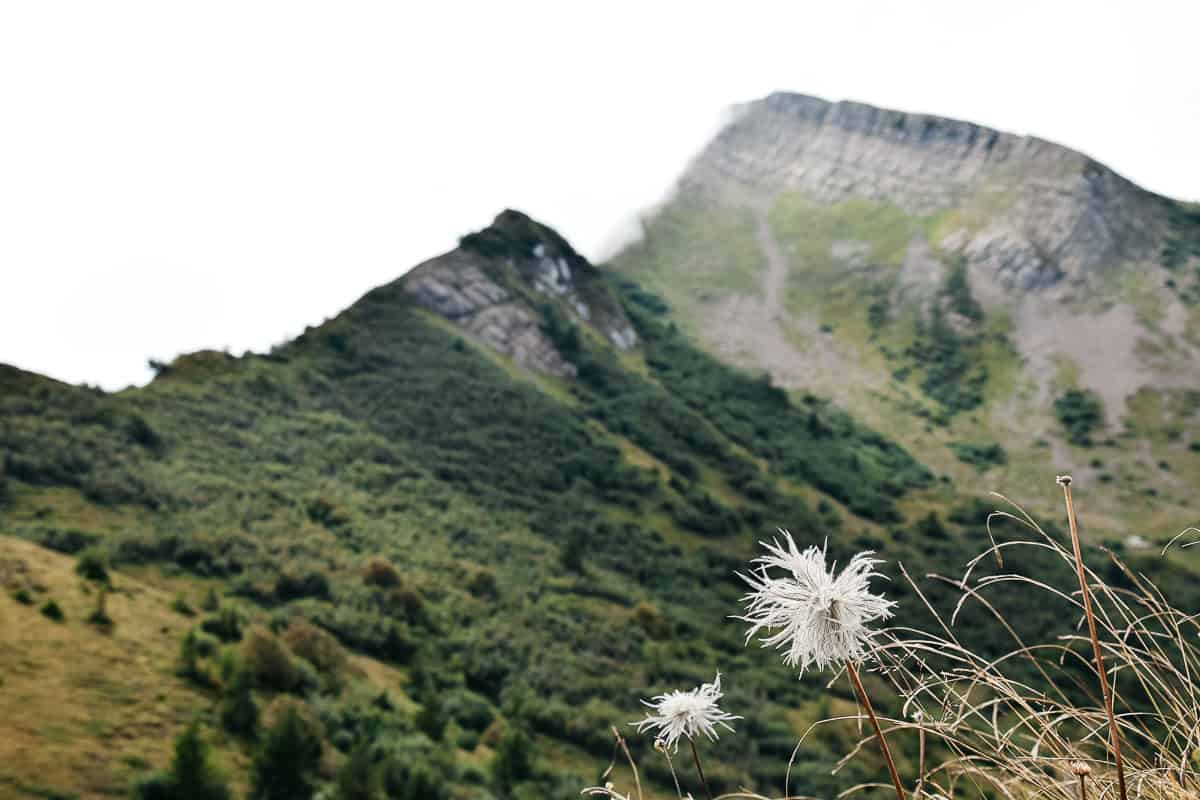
<point>461,568</point>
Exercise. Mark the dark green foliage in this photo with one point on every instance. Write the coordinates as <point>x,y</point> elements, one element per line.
<point>195,646</point>
<point>879,312</point>
<point>957,291</point>
<point>981,455</point>
<point>812,442</point>
<point>1081,413</point>
<point>358,778</point>
<point>51,610</point>
<point>226,624</point>
<point>952,377</point>
<point>431,719</point>
<point>513,762</point>
<point>23,596</point>
<point>285,764</point>
<point>573,551</point>
<point>239,712</point>
<point>91,566</point>
<point>180,605</point>
<point>67,541</point>
<point>414,782</point>
<point>191,775</point>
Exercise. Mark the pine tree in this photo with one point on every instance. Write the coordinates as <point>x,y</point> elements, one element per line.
<point>191,775</point>
<point>286,761</point>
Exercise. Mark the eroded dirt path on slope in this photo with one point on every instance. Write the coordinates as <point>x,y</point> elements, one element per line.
<point>758,332</point>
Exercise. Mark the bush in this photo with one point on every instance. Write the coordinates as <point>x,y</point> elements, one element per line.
<point>180,605</point>
<point>269,661</point>
<point>292,586</point>
<point>981,455</point>
<point>1081,413</point>
<point>358,779</point>
<point>285,765</point>
<point>317,648</point>
<point>50,610</point>
<point>226,625</point>
<point>91,566</point>
<point>513,762</point>
<point>191,775</point>
<point>380,572</point>
<point>239,712</point>
<point>23,596</point>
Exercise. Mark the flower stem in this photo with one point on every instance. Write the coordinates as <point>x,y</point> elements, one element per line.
<point>1082,787</point>
<point>865,702</point>
<point>637,781</point>
<point>1065,482</point>
<point>700,769</point>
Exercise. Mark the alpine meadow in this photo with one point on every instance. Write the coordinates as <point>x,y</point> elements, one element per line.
<point>866,469</point>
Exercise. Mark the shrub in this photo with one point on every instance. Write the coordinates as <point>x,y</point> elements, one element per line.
<point>211,601</point>
<point>380,572</point>
<point>513,762</point>
<point>239,712</point>
<point>415,781</point>
<point>1081,413</point>
<point>482,583</point>
<point>180,605</point>
<point>981,455</point>
<point>191,776</point>
<point>226,625</point>
<point>358,779</point>
<point>91,566</point>
<point>269,661</point>
<point>647,617</point>
<point>285,765</point>
<point>293,586</point>
<point>50,610</point>
<point>317,648</point>
<point>23,596</point>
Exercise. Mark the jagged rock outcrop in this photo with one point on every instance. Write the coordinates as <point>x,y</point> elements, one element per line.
<point>1031,212</point>
<point>499,284</point>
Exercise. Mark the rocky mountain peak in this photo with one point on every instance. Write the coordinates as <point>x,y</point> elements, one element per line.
<point>502,285</point>
<point>1029,212</point>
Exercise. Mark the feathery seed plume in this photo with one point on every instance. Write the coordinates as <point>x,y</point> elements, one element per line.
<point>820,618</point>
<point>687,714</point>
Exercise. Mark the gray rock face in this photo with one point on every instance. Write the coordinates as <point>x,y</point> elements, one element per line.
<point>468,287</point>
<point>456,287</point>
<point>1032,212</point>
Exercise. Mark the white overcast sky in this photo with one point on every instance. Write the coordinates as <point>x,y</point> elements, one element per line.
<point>177,176</point>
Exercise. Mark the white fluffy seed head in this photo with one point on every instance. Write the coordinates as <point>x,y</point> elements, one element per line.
<point>686,714</point>
<point>817,617</point>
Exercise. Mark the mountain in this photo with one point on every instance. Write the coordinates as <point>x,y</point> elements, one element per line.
<point>465,525</point>
<point>997,302</point>
<point>479,501</point>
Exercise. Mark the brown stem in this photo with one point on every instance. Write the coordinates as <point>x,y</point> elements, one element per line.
<point>1083,787</point>
<point>865,702</point>
<point>700,769</point>
<point>633,766</point>
<point>920,761</point>
<point>671,766</point>
<point>1114,736</point>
